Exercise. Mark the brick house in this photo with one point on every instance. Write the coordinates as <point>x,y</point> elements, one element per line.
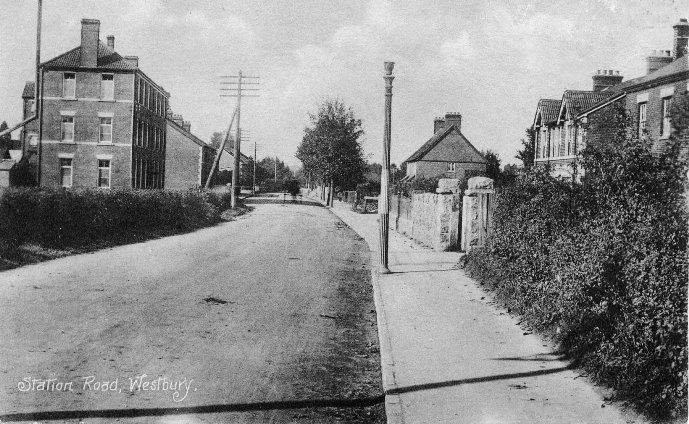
<point>448,154</point>
<point>647,100</point>
<point>103,121</point>
<point>188,160</point>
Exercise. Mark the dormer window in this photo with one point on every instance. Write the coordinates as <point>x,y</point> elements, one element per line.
<point>107,87</point>
<point>69,85</point>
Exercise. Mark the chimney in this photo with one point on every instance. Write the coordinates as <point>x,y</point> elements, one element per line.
<point>177,119</point>
<point>679,48</point>
<point>438,124</point>
<point>187,126</point>
<point>605,79</point>
<point>90,29</point>
<point>657,59</point>
<point>453,118</point>
<point>132,60</point>
<point>111,42</point>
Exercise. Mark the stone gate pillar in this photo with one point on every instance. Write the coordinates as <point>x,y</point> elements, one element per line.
<point>477,212</point>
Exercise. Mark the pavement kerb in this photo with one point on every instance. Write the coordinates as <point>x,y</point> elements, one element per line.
<point>393,404</point>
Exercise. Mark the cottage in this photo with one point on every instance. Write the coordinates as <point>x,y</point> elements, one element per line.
<point>448,154</point>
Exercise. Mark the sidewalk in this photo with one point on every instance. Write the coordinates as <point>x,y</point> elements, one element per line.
<point>449,355</point>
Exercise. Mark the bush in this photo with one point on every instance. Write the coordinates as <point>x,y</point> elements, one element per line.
<point>602,266</point>
<point>405,188</point>
<point>291,186</point>
<point>73,219</point>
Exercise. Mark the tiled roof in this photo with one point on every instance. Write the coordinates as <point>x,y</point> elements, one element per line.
<point>678,66</point>
<point>549,109</point>
<point>29,90</point>
<point>107,59</point>
<point>437,138</point>
<point>577,101</point>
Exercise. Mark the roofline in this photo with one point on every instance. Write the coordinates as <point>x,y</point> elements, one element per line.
<point>441,137</point>
<point>679,76</point>
<point>601,105</point>
<point>191,136</point>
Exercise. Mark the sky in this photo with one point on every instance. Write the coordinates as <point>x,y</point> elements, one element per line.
<point>489,60</point>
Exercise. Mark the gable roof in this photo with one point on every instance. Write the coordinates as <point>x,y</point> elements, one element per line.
<point>29,90</point>
<point>548,109</point>
<point>107,59</point>
<point>436,139</point>
<point>187,134</point>
<point>574,101</point>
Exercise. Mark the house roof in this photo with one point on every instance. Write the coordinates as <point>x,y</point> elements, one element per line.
<point>107,59</point>
<point>548,109</point>
<point>574,102</point>
<point>436,139</point>
<point>186,133</point>
<point>678,66</point>
<point>242,157</point>
<point>29,90</point>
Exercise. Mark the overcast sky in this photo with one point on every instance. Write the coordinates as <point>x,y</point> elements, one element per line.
<point>489,60</point>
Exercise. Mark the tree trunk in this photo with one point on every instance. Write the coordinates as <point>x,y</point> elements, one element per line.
<point>331,194</point>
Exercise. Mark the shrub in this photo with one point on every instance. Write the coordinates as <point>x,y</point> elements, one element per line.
<point>72,218</point>
<point>602,265</point>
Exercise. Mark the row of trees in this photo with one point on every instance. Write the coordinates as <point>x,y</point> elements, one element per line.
<point>330,150</point>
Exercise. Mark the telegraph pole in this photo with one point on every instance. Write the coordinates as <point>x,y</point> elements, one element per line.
<point>383,206</point>
<point>235,87</point>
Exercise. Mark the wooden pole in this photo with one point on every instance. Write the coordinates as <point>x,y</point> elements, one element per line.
<point>219,152</point>
<point>237,150</point>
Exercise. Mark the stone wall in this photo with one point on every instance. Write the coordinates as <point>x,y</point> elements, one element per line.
<point>434,220</point>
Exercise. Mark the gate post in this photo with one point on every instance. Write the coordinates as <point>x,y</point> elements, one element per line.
<point>477,212</point>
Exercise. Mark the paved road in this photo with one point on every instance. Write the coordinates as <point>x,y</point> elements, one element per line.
<point>298,324</point>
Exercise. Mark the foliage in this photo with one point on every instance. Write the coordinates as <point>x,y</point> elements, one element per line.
<point>216,140</point>
<point>7,137</point>
<point>330,148</point>
<point>405,188</point>
<point>493,166</point>
<point>526,154</point>
<point>73,218</point>
<point>602,265</point>
<point>291,186</point>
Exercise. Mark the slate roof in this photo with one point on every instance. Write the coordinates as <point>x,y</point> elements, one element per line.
<point>550,108</point>
<point>437,138</point>
<point>577,101</point>
<point>29,90</point>
<point>187,134</point>
<point>107,59</point>
<point>676,67</point>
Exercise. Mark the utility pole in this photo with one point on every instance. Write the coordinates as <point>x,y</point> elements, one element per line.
<point>383,205</point>
<point>276,169</point>
<point>235,87</point>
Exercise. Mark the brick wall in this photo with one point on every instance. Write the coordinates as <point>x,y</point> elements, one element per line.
<point>86,148</point>
<point>182,160</point>
<point>427,169</point>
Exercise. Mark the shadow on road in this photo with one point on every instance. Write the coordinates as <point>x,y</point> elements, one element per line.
<point>204,409</point>
<point>428,386</point>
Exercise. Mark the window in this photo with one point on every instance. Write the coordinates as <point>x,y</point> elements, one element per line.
<point>65,172</point>
<point>33,140</point>
<point>107,87</point>
<point>67,128</point>
<point>569,140</point>
<point>69,85</point>
<point>665,113</point>
<point>642,119</point>
<point>451,166</point>
<point>103,173</point>
<point>105,130</point>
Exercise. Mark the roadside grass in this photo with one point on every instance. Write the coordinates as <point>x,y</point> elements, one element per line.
<point>37,225</point>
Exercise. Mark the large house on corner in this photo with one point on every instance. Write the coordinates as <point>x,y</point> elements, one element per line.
<point>560,124</point>
<point>448,154</point>
<point>103,121</point>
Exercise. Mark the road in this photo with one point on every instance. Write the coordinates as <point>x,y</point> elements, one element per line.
<point>247,321</point>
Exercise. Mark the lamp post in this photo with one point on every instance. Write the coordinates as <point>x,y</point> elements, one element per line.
<point>383,203</point>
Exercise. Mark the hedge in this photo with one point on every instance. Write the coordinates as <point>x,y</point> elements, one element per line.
<point>76,218</point>
<point>601,266</point>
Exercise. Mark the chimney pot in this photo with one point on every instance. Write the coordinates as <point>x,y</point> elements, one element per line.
<point>453,118</point>
<point>90,30</point>
<point>111,42</point>
<point>132,60</point>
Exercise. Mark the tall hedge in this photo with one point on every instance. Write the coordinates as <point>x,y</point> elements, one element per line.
<point>602,265</point>
<point>75,218</point>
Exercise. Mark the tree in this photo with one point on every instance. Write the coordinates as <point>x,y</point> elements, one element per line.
<point>5,139</point>
<point>526,154</point>
<point>493,166</point>
<point>216,139</point>
<point>330,149</point>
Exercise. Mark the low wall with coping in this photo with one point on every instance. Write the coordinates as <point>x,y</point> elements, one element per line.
<point>431,219</point>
